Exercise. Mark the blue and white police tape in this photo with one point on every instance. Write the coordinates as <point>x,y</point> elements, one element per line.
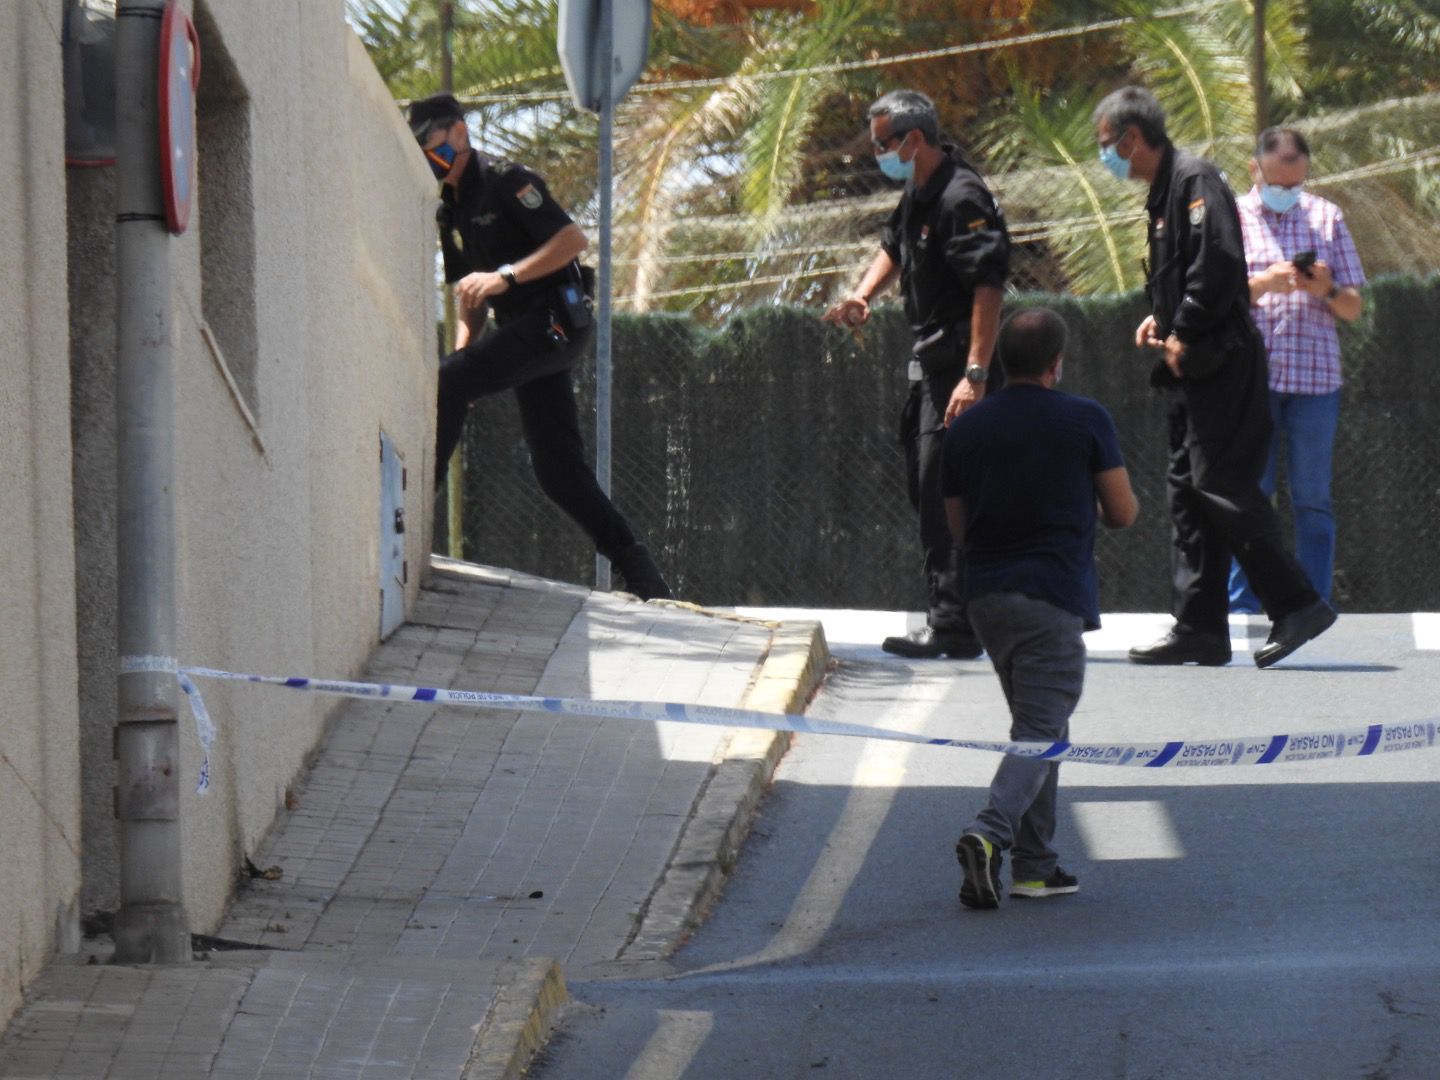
<point>204,726</point>
<point>1180,753</point>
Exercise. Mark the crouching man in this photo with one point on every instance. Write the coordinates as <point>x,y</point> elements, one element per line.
<point>1025,475</point>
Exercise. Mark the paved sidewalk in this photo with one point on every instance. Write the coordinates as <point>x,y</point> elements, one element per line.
<point>439,858</point>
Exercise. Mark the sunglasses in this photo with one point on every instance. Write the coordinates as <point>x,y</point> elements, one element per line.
<point>882,146</point>
<point>444,123</point>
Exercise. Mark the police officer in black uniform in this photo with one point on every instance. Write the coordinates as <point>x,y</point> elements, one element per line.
<point>1213,366</point>
<point>509,246</point>
<point>947,242</point>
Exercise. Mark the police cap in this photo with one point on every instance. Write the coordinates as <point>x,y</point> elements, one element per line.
<point>435,110</point>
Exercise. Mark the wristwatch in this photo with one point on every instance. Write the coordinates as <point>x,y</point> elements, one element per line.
<point>508,273</point>
<point>977,374</point>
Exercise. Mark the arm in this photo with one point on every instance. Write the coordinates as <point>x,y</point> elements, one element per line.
<point>1276,278</point>
<point>1214,258</point>
<point>984,330</point>
<point>978,251</point>
<point>1115,498</point>
<point>1342,275</point>
<point>955,515</point>
<point>854,310</point>
<point>1323,281</point>
<point>470,323</point>
<point>556,252</point>
<point>1345,305</point>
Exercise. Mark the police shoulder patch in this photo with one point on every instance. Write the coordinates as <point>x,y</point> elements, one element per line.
<point>1197,211</point>
<point>529,197</point>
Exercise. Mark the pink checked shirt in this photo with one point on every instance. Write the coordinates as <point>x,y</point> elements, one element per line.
<point>1298,328</point>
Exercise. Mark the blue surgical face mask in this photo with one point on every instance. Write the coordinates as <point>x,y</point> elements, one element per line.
<point>1279,199</point>
<point>441,159</point>
<point>1110,157</point>
<point>891,165</point>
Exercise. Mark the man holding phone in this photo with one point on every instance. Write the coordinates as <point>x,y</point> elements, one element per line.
<point>1304,274</point>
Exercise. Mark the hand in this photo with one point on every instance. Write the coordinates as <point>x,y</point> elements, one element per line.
<point>1145,334</point>
<point>1280,277</point>
<point>851,313</point>
<point>468,307</point>
<point>966,394</point>
<point>474,289</point>
<point>1317,283</point>
<point>1174,353</point>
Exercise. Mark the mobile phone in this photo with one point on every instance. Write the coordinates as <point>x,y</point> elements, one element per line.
<point>1303,261</point>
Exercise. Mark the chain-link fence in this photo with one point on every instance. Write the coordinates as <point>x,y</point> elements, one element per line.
<point>760,462</point>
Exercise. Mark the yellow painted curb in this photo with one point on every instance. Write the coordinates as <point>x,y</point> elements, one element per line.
<point>792,669</point>
<point>519,1023</point>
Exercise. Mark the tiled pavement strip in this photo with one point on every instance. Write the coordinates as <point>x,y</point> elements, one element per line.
<point>405,903</point>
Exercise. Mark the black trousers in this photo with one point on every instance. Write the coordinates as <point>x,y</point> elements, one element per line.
<point>522,356</point>
<point>922,431</point>
<point>1220,431</point>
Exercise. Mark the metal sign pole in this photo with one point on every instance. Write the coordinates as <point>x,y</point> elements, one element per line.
<point>455,477</point>
<point>606,37</point>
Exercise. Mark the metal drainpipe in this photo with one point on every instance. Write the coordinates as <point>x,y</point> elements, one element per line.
<point>151,925</point>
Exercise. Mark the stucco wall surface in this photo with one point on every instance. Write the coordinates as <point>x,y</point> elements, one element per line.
<point>39,762</point>
<point>279,551</point>
<point>304,325</point>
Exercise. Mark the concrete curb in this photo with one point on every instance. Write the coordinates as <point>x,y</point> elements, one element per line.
<point>707,848</point>
<point>519,1022</point>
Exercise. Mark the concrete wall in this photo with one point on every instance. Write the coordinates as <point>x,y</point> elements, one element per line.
<point>39,762</point>
<point>304,325</point>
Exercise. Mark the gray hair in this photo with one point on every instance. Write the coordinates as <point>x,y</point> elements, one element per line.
<point>909,110</point>
<point>1134,106</point>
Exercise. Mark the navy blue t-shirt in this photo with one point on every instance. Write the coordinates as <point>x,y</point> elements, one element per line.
<point>1023,463</point>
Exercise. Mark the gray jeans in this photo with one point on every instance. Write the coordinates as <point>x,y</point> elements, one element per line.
<point>1039,655</point>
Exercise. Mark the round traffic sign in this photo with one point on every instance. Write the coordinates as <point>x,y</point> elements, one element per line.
<point>179,76</point>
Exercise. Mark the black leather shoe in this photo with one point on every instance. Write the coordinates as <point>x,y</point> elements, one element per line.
<point>1293,630</point>
<point>928,643</point>
<point>642,577</point>
<point>1184,647</point>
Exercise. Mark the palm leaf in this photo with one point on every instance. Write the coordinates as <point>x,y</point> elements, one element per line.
<point>1198,73</point>
<point>1043,152</point>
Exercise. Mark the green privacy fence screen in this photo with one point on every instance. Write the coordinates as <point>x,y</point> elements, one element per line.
<point>759,460</point>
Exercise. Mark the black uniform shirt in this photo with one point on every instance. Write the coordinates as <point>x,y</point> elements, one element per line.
<point>499,213</point>
<point>948,236</point>
<point>1198,284</point>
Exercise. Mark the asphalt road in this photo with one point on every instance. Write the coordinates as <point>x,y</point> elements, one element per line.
<point>1275,921</point>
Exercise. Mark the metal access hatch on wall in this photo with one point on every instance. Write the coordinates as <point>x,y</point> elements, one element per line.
<point>394,570</point>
